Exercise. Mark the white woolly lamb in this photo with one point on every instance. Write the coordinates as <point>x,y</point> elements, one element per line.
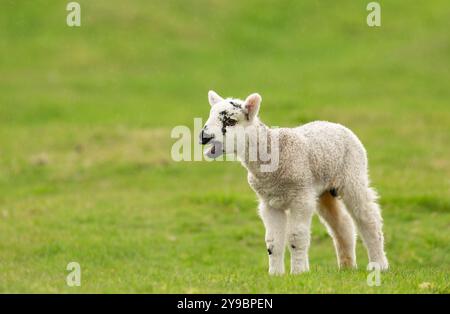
<point>322,168</point>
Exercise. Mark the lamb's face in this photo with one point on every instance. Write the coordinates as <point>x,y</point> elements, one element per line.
<point>227,121</point>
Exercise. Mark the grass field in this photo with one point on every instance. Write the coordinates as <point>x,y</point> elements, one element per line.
<point>85,120</point>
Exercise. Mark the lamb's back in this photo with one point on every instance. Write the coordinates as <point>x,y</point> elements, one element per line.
<point>330,149</point>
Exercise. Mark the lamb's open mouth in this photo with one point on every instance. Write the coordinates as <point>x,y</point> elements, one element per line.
<point>215,150</point>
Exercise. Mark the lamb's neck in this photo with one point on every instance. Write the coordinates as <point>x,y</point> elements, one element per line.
<point>260,143</point>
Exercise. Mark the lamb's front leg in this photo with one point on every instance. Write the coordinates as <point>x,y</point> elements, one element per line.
<point>299,234</point>
<point>275,222</point>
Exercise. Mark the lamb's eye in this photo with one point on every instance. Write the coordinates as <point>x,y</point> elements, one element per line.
<point>231,122</point>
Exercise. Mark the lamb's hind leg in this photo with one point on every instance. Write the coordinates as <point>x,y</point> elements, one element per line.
<point>275,222</point>
<point>340,226</point>
<point>361,203</point>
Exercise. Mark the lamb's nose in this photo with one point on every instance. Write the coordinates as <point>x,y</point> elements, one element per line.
<point>205,137</point>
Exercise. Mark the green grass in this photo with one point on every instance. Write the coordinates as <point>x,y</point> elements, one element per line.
<point>85,121</point>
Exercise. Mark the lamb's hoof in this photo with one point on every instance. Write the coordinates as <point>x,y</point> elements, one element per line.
<point>347,264</point>
<point>298,271</point>
<point>276,272</point>
<point>348,267</point>
<point>299,267</point>
<point>382,265</point>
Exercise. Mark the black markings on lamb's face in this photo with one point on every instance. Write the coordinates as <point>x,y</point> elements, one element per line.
<point>269,251</point>
<point>235,105</point>
<point>238,107</point>
<point>227,119</point>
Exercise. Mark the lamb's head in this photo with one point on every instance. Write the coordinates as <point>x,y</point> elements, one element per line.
<point>228,119</point>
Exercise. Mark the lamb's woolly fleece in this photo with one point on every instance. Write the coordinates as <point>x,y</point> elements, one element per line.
<point>314,159</point>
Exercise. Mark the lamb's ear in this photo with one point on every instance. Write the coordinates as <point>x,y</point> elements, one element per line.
<point>251,105</point>
<point>214,98</point>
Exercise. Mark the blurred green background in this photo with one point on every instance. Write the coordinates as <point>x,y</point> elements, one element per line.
<point>85,120</point>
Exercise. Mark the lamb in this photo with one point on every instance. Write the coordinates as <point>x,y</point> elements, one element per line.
<point>322,168</point>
